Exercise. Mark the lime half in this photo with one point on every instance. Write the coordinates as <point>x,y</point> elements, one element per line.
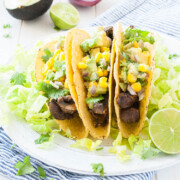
<point>64,15</point>
<point>164,129</point>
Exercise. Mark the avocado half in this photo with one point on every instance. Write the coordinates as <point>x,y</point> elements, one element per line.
<point>27,9</point>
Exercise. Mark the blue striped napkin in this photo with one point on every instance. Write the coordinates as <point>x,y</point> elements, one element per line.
<point>161,15</point>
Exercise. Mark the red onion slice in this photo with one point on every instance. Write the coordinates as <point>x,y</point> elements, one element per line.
<point>93,90</point>
<point>85,2</point>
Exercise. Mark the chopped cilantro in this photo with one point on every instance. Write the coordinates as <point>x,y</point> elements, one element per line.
<point>171,56</point>
<point>48,55</point>
<point>50,91</point>
<point>98,168</point>
<point>24,167</point>
<point>43,138</point>
<point>98,149</point>
<point>136,35</point>
<point>18,79</point>
<point>145,49</point>
<point>94,99</point>
<point>6,26</point>
<point>6,36</point>
<point>12,146</point>
<point>57,28</point>
<point>41,171</point>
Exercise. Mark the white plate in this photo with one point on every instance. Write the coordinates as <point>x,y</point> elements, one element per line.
<point>60,155</point>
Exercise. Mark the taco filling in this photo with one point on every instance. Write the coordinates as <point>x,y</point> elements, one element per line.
<point>134,69</point>
<point>95,68</point>
<point>61,107</point>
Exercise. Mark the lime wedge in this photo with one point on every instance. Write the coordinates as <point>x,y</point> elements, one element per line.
<point>164,129</point>
<point>64,15</point>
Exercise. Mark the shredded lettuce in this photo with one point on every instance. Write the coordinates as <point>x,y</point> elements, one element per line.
<point>119,149</point>
<point>166,82</point>
<point>86,144</point>
<point>19,94</point>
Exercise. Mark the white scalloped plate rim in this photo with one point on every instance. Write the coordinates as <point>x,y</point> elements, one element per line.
<point>62,156</point>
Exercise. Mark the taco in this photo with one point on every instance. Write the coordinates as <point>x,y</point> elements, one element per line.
<point>51,75</point>
<point>133,71</point>
<point>91,63</point>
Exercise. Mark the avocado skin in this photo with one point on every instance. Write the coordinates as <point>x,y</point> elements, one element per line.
<point>31,12</point>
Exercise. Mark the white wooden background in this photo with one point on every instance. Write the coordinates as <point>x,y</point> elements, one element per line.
<point>23,32</point>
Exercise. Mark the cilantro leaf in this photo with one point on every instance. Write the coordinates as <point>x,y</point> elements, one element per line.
<point>98,168</point>
<point>171,56</point>
<point>6,26</point>
<point>6,36</point>
<point>50,91</point>
<point>94,99</point>
<point>57,28</point>
<point>12,146</point>
<point>136,35</point>
<point>18,79</point>
<point>41,171</point>
<point>98,149</point>
<point>24,167</point>
<point>43,138</point>
<point>48,55</point>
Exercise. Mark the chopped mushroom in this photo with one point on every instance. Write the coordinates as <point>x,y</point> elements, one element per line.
<point>67,104</point>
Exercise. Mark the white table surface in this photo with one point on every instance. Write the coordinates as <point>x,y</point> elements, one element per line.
<point>23,32</point>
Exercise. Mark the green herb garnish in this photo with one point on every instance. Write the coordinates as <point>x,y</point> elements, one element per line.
<point>6,35</point>
<point>18,79</point>
<point>98,168</point>
<point>94,99</point>
<point>12,146</point>
<point>99,149</point>
<point>172,56</point>
<point>43,138</point>
<point>57,28</point>
<point>41,171</point>
<point>50,91</point>
<point>24,167</point>
<point>134,34</point>
<point>5,26</point>
<point>48,55</point>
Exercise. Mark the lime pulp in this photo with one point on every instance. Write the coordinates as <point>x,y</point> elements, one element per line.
<point>64,15</point>
<point>164,129</point>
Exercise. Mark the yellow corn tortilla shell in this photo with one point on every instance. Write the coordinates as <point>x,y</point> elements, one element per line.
<point>131,128</point>
<point>75,125</point>
<point>99,132</point>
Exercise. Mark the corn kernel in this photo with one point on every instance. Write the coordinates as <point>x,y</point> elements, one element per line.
<point>131,78</point>
<point>143,67</point>
<point>93,83</point>
<point>136,87</point>
<point>82,65</point>
<point>84,59</point>
<point>135,44</point>
<point>106,55</point>
<point>57,52</point>
<point>105,73</point>
<point>100,72</point>
<point>47,81</point>
<point>103,82</point>
<point>45,69</point>
<point>103,49</point>
<point>88,95</point>
<point>62,56</point>
<point>98,57</point>
<point>62,79</point>
<point>50,62</point>
<point>66,84</point>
